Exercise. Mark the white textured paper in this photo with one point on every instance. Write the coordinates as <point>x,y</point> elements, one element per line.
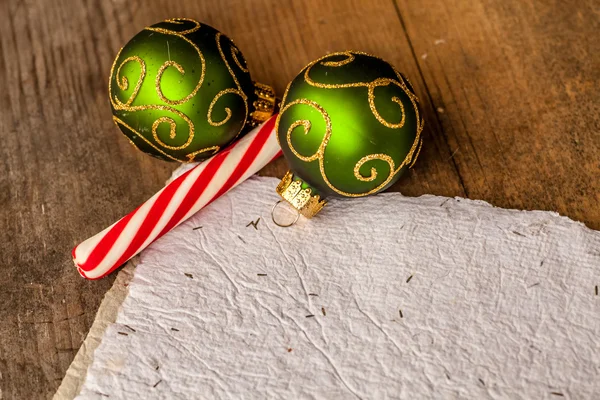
<point>501,304</point>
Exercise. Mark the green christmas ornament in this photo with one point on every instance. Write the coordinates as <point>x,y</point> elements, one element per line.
<point>181,91</point>
<point>349,126</point>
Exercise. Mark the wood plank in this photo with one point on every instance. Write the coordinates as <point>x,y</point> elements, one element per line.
<point>69,173</point>
<point>517,86</point>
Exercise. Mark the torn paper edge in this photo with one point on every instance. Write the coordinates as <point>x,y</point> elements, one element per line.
<point>107,314</point>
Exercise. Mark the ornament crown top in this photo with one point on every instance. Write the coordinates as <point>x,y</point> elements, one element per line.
<point>301,199</point>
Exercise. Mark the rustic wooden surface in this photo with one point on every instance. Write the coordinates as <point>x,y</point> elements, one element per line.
<point>510,92</point>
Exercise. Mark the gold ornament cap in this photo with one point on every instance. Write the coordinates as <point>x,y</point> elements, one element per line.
<point>264,105</point>
<point>302,200</point>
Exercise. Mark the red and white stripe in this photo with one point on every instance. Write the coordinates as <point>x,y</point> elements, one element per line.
<point>101,254</point>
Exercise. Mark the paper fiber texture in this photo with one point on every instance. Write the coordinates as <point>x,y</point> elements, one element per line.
<point>378,297</point>
<point>106,316</point>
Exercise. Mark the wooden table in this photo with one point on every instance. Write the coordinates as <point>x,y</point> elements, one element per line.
<point>510,92</point>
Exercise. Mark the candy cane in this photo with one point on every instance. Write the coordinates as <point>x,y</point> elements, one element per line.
<point>101,254</point>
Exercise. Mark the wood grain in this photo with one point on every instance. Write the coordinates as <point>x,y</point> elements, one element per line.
<point>510,92</point>
<point>516,86</point>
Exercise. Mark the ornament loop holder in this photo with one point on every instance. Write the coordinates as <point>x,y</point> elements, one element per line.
<point>264,106</point>
<point>280,224</point>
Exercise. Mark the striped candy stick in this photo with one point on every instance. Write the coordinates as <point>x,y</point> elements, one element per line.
<point>101,254</point>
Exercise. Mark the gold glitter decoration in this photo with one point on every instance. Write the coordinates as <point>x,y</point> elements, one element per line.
<point>347,60</point>
<point>371,157</point>
<point>124,107</point>
<point>371,97</point>
<point>417,154</point>
<point>405,80</point>
<point>168,120</point>
<point>287,89</point>
<point>234,52</point>
<point>193,154</point>
<point>112,70</point>
<point>123,83</point>
<point>180,69</point>
<point>218,39</point>
<point>349,55</point>
<point>177,21</point>
<point>176,65</point>
<point>172,133</point>
<point>319,154</point>
<point>227,109</point>
<point>238,92</point>
<point>307,125</point>
<point>120,122</point>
